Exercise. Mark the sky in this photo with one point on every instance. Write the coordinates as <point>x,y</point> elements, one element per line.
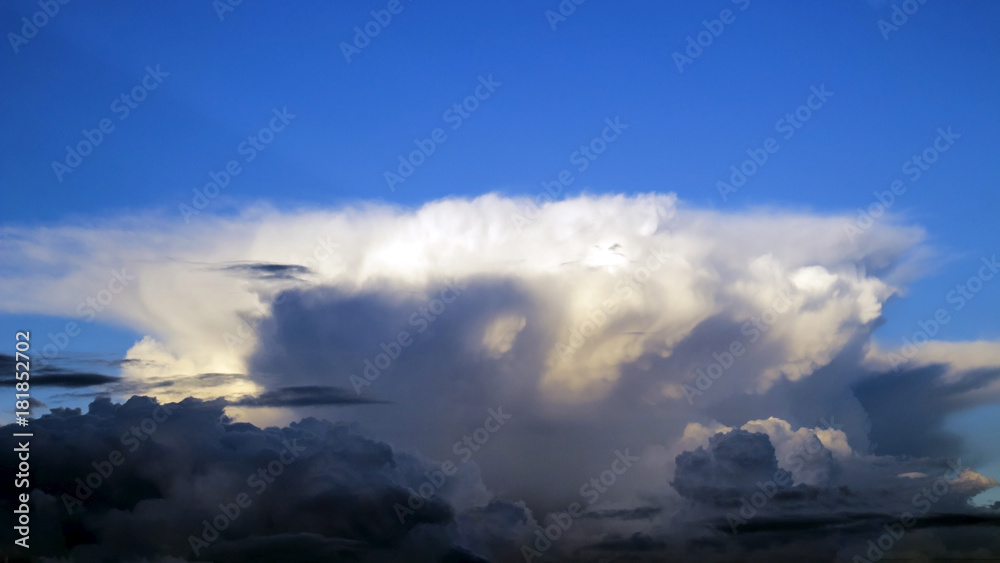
<point>245,204</point>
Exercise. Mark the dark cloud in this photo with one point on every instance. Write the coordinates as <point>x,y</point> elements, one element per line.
<point>733,463</point>
<point>330,493</point>
<point>641,513</point>
<point>907,410</point>
<point>837,518</point>
<point>54,376</point>
<point>266,271</point>
<point>69,380</point>
<point>636,542</point>
<point>305,396</point>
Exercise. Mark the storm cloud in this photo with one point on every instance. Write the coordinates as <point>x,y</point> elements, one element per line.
<point>511,366</point>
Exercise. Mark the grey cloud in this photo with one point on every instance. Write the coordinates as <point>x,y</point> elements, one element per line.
<point>266,271</point>
<point>68,380</point>
<point>844,514</point>
<point>907,410</point>
<point>304,396</point>
<point>337,496</point>
<point>733,463</point>
<point>55,376</point>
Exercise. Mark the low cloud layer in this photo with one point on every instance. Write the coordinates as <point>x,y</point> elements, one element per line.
<point>138,480</point>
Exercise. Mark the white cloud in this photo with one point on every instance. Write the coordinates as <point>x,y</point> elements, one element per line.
<point>578,255</point>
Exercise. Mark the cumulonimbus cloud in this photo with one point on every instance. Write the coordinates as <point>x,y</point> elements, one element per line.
<point>601,323</point>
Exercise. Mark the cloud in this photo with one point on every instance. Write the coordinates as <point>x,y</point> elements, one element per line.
<point>54,376</point>
<point>337,496</point>
<point>637,542</point>
<point>266,271</point>
<point>711,345</point>
<point>811,455</point>
<point>666,269</point>
<point>853,504</point>
<point>333,492</point>
<point>733,463</point>
<point>961,358</point>
<point>68,380</point>
<point>304,396</point>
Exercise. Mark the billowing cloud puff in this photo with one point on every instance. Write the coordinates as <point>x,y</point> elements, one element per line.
<point>733,462</point>
<point>809,454</point>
